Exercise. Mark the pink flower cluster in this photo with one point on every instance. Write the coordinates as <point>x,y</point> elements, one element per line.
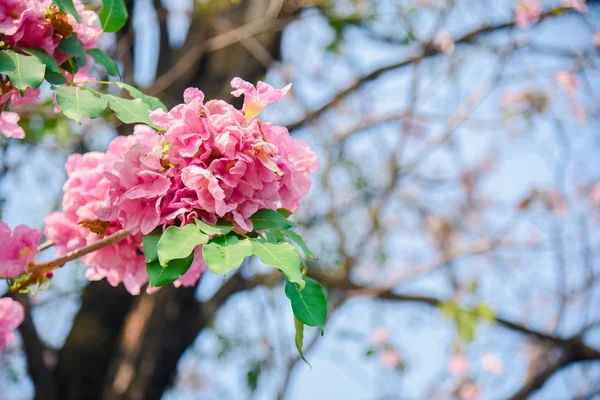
<point>17,249</point>
<point>35,24</point>
<point>11,316</point>
<point>216,162</point>
<point>211,162</point>
<point>86,191</point>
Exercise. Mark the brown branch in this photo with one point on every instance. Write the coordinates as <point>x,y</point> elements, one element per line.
<point>75,254</point>
<point>428,50</point>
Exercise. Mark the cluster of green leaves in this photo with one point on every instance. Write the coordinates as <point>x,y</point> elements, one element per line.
<point>28,67</point>
<point>466,319</point>
<point>170,254</point>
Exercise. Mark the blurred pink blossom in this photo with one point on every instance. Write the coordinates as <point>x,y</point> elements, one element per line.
<point>9,125</point>
<point>444,42</point>
<point>492,363</point>
<point>379,336</point>
<point>577,5</point>
<point>458,364</point>
<point>390,358</point>
<point>527,12</point>
<point>11,316</point>
<point>469,391</point>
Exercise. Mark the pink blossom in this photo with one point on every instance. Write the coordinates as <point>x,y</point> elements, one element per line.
<point>492,363</point>
<point>17,249</point>
<point>85,192</point>
<point>390,358</point>
<point>379,336</point>
<point>89,28</point>
<point>256,99</point>
<point>567,81</point>
<point>527,12</point>
<point>16,99</point>
<point>25,25</point>
<point>596,39</point>
<point>469,391</point>
<point>577,5</point>
<point>444,42</point>
<point>458,364</point>
<point>9,125</point>
<point>11,316</point>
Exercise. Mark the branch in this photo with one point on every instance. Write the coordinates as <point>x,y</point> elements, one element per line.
<point>75,254</point>
<point>428,51</point>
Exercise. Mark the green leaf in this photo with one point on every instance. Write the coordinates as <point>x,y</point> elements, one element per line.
<point>113,15</point>
<point>299,338</point>
<point>252,378</point>
<point>284,212</point>
<point>104,59</point>
<point>152,102</point>
<point>465,325</point>
<point>485,312</point>
<point>159,275</point>
<point>129,111</point>
<point>223,253</point>
<point>150,242</point>
<point>73,47</point>
<point>282,256</point>
<point>293,236</point>
<point>448,309</point>
<point>77,102</point>
<point>179,242</point>
<point>275,236</point>
<point>267,219</point>
<point>67,7</point>
<point>309,304</point>
<point>53,74</point>
<point>23,71</point>
<point>220,228</point>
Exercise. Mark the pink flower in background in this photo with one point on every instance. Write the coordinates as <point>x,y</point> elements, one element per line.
<point>444,42</point>
<point>9,125</point>
<point>11,316</point>
<point>16,99</point>
<point>379,336</point>
<point>492,363</point>
<point>17,249</point>
<point>596,39</point>
<point>577,5</point>
<point>458,364</point>
<point>256,99</point>
<point>469,391</point>
<point>390,358</point>
<point>567,81</point>
<point>527,12</point>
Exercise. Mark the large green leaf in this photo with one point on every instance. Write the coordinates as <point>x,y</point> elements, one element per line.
<point>294,237</point>
<point>309,304</point>
<point>23,71</point>
<point>159,275</point>
<point>223,253</point>
<point>77,102</point>
<point>113,15</point>
<point>179,242</point>
<point>72,46</point>
<point>129,111</point>
<point>67,7</point>
<point>152,102</point>
<point>299,338</point>
<point>267,219</point>
<point>103,59</point>
<point>282,256</point>
<point>220,228</point>
<point>53,74</point>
